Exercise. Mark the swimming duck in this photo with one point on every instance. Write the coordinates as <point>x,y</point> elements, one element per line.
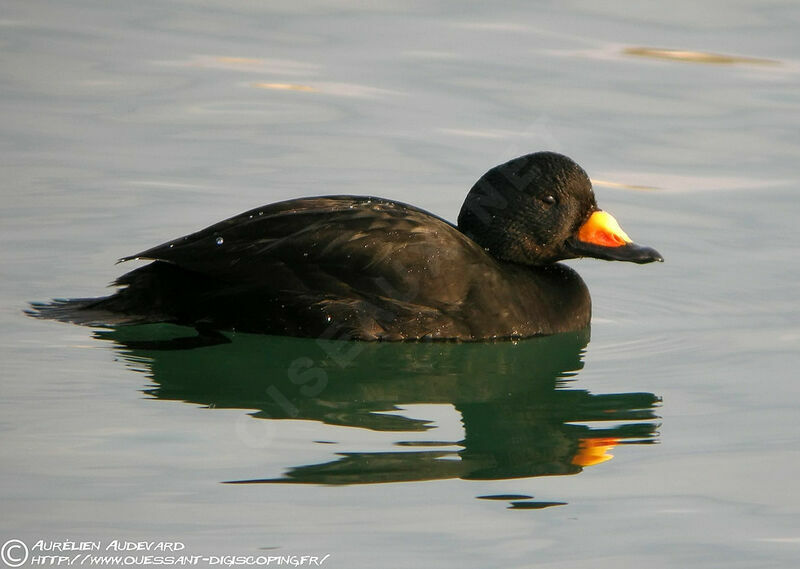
<point>366,268</point>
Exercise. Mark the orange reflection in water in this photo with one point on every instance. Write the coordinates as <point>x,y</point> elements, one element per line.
<point>284,86</point>
<point>594,451</point>
<point>695,56</point>
<point>620,185</point>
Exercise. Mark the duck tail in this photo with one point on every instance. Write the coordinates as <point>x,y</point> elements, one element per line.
<point>149,294</point>
<point>85,311</point>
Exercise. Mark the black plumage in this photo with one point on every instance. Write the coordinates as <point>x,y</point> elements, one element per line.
<point>372,269</point>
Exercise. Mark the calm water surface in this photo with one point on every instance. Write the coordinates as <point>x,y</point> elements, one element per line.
<point>124,125</point>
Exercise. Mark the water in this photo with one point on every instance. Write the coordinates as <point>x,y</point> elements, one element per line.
<point>124,126</point>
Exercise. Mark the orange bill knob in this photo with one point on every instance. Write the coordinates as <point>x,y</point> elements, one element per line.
<point>601,237</point>
<point>602,229</point>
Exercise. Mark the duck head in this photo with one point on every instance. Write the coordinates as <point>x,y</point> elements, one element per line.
<point>540,208</point>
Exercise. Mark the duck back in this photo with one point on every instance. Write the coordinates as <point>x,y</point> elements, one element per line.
<point>342,267</point>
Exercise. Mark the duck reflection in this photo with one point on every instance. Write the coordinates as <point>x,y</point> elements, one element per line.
<point>521,414</point>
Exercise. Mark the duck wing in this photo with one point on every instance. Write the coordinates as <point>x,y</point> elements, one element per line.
<point>377,268</point>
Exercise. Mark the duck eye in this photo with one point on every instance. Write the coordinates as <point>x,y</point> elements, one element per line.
<point>549,199</point>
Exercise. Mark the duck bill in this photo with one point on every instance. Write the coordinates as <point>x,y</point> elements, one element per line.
<point>601,237</point>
